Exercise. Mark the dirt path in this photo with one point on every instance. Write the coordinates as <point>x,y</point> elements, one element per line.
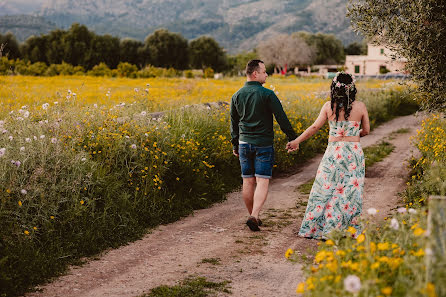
<point>253,262</point>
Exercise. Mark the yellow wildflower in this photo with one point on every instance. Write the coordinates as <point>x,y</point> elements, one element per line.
<point>386,291</point>
<point>20,203</point>
<point>351,230</point>
<point>329,242</point>
<point>383,246</point>
<point>300,288</point>
<point>418,232</point>
<point>82,202</point>
<point>360,238</point>
<point>288,253</point>
<point>26,232</point>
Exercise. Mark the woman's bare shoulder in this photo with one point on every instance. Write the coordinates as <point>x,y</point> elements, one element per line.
<point>359,104</point>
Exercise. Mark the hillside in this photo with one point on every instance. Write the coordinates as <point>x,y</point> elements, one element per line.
<point>236,25</point>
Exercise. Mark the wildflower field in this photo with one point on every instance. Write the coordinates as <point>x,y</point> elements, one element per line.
<point>86,166</point>
<point>401,257</point>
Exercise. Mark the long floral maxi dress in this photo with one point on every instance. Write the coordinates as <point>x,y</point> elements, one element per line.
<point>335,200</point>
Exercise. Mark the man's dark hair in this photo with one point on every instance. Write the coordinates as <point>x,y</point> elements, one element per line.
<point>252,66</point>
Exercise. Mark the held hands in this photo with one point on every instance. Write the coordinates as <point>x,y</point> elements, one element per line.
<point>292,146</point>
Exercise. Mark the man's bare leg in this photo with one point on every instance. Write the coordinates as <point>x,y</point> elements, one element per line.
<point>260,195</point>
<point>249,186</point>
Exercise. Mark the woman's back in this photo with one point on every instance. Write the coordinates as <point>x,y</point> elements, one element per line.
<point>348,129</point>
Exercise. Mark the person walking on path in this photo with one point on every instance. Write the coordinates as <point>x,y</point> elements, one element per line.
<point>336,197</point>
<point>252,110</point>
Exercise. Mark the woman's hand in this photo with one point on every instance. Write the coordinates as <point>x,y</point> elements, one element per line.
<point>292,146</point>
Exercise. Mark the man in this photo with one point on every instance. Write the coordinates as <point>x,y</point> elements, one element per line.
<point>252,110</point>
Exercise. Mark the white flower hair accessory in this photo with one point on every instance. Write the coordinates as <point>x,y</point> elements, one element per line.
<point>338,84</point>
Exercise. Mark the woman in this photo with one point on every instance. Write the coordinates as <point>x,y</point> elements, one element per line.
<point>336,196</point>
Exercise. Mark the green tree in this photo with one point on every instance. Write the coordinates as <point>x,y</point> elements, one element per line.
<point>77,44</point>
<point>55,47</point>
<point>329,49</point>
<point>206,52</point>
<point>103,48</point>
<point>414,29</point>
<point>167,49</point>
<point>356,48</point>
<point>237,63</point>
<point>9,46</point>
<point>129,51</point>
<point>34,49</point>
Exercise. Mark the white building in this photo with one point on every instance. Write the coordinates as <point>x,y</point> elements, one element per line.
<point>378,61</point>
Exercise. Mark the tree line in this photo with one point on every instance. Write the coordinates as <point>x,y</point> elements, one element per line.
<point>80,47</point>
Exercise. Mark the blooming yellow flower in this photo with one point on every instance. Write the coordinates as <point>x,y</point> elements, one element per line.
<point>26,232</point>
<point>82,202</point>
<point>300,288</point>
<point>430,290</point>
<point>20,203</point>
<point>360,238</point>
<point>418,231</point>
<point>351,230</point>
<point>383,246</point>
<point>288,253</point>
<point>386,291</point>
<point>329,242</point>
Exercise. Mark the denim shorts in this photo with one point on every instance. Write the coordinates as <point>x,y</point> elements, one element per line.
<point>256,160</point>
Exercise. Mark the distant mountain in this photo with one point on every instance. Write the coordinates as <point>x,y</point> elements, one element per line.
<point>23,26</point>
<point>235,24</point>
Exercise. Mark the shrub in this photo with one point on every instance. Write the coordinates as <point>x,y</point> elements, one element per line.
<point>100,70</point>
<point>127,70</point>
<point>209,73</point>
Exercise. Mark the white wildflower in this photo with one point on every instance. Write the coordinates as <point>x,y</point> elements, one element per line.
<point>55,102</point>
<point>45,105</point>
<point>42,136</point>
<point>277,92</point>
<point>22,149</point>
<point>27,139</point>
<point>352,284</point>
<point>412,211</point>
<point>148,85</point>
<point>428,252</point>
<point>372,211</point>
<point>19,119</point>
<point>136,90</point>
<point>143,113</point>
<point>23,192</point>
<point>16,163</point>
<point>26,114</point>
<point>146,90</point>
<point>4,131</point>
<point>95,105</point>
<point>68,97</point>
<point>69,91</point>
<point>401,210</point>
<point>146,135</point>
<point>2,123</point>
<point>35,137</point>
<point>133,146</point>
<point>394,224</point>
<point>83,159</point>
<point>53,140</point>
<point>2,151</point>
<point>74,94</point>
<point>127,136</point>
<point>24,107</point>
<point>10,138</point>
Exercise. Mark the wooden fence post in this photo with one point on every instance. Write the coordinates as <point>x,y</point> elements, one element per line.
<point>436,244</point>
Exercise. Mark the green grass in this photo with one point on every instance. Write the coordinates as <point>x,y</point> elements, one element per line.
<point>377,153</point>
<point>306,187</point>
<point>191,287</point>
<point>213,261</point>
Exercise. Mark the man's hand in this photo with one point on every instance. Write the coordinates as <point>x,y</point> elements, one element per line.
<point>292,146</point>
<point>235,152</point>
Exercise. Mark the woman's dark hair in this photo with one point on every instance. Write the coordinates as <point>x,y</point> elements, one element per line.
<point>343,93</point>
<point>252,66</point>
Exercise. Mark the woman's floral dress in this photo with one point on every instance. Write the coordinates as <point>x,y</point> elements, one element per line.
<point>336,196</point>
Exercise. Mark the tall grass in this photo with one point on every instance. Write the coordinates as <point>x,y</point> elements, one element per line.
<point>78,177</point>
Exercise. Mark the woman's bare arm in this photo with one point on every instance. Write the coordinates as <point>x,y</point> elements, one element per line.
<point>365,121</point>
<point>310,131</point>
